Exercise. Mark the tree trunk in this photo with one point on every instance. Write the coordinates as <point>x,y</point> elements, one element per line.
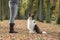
<point>48,11</point>
<point>6,9</point>
<point>40,13</point>
<point>18,14</point>
<point>29,9</point>
<point>30,6</point>
<point>0,9</point>
<point>52,7</point>
<point>58,20</point>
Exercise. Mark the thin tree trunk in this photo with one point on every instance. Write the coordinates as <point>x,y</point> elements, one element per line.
<point>30,6</point>
<point>0,9</point>
<point>18,15</point>
<point>6,10</point>
<point>58,20</point>
<point>52,7</point>
<point>48,11</point>
<point>40,13</point>
<point>29,9</point>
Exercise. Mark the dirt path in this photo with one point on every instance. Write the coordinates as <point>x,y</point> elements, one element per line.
<point>53,31</point>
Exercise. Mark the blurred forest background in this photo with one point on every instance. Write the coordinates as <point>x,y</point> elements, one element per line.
<point>44,10</point>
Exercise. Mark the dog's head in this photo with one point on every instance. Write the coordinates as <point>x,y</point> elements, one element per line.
<point>31,15</point>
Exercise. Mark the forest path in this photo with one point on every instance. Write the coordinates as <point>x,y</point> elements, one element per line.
<point>53,31</point>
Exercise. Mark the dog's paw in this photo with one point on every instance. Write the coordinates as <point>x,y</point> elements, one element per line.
<point>32,32</point>
<point>44,32</point>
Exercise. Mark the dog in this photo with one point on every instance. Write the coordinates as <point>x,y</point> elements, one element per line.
<point>31,24</point>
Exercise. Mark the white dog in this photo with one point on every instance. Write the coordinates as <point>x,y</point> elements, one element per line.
<point>31,24</point>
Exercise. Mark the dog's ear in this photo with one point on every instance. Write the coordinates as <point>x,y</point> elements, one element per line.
<point>29,15</point>
<point>33,16</point>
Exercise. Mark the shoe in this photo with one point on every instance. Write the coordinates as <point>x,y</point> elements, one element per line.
<point>12,28</point>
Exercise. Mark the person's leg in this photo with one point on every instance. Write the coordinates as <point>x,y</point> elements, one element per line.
<point>13,13</point>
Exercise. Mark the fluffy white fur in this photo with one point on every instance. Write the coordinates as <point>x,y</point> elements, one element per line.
<point>31,24</point>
